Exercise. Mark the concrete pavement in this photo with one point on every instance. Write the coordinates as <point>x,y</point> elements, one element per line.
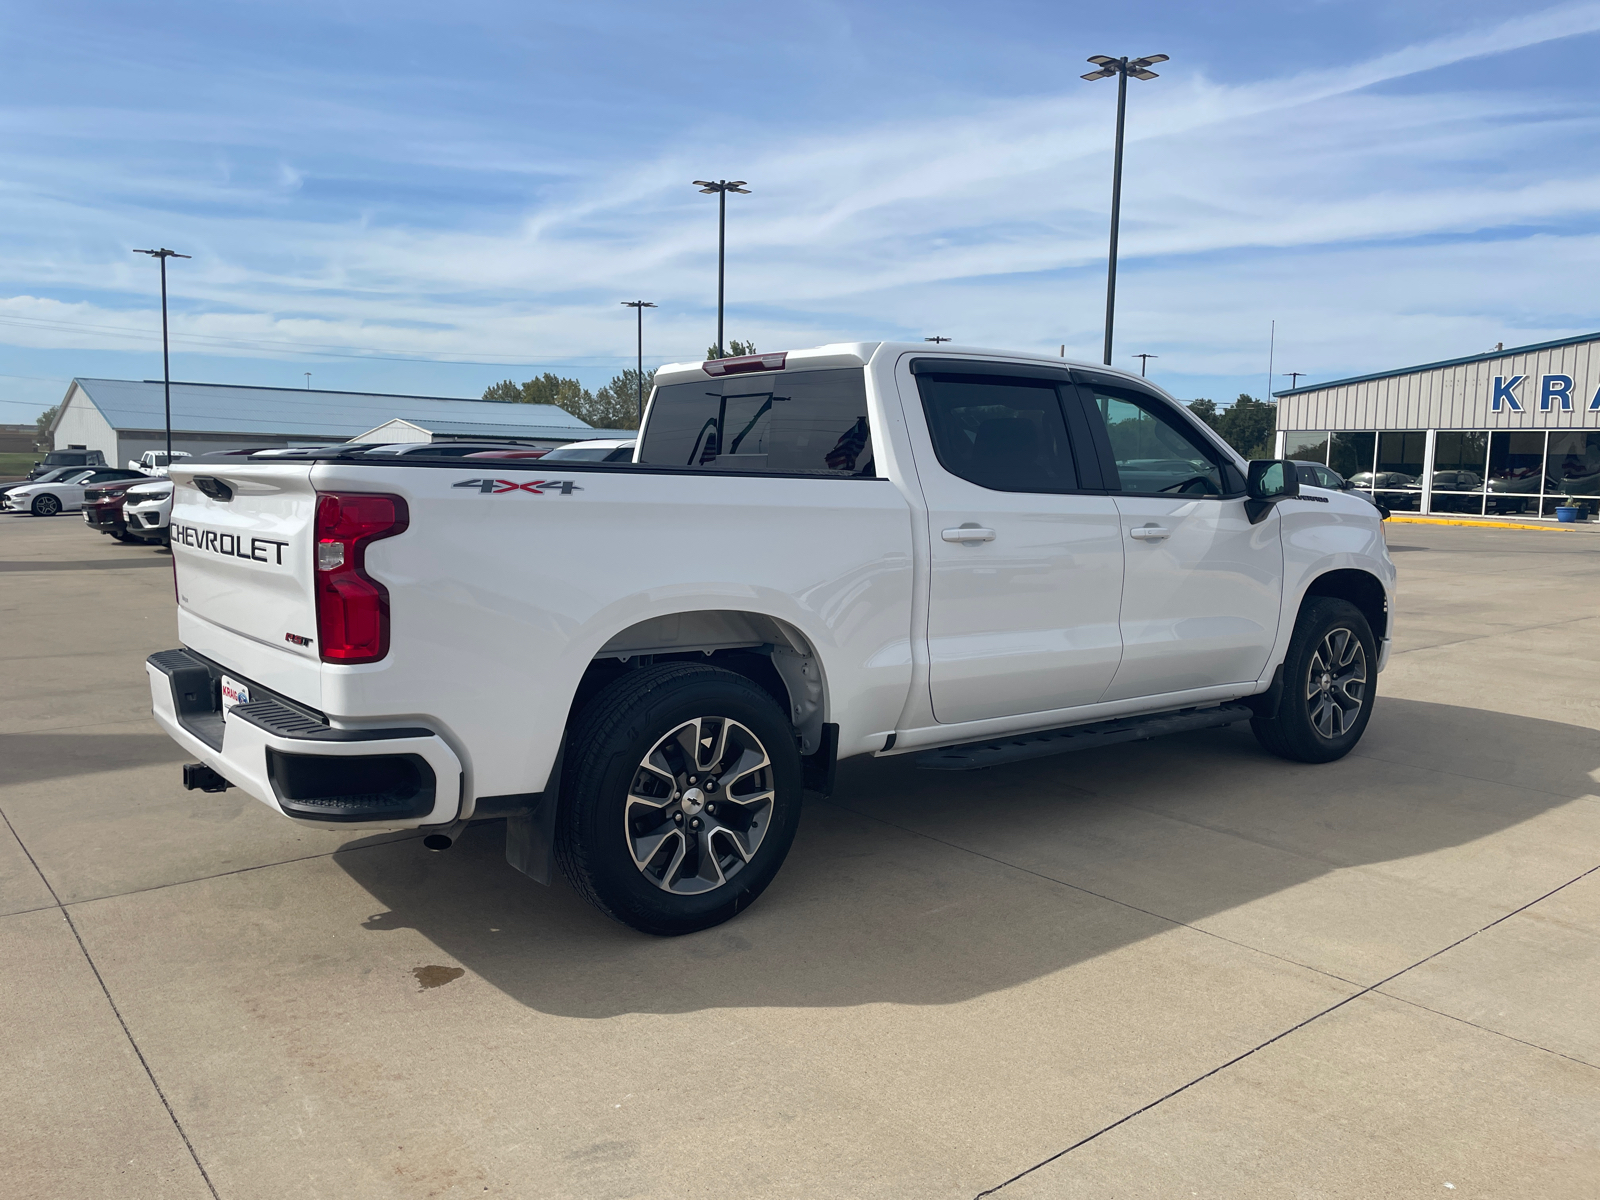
<point>1181,968</point>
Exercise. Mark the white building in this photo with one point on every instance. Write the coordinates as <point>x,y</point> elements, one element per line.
<point>122,418</point>
<point>1512,431</point>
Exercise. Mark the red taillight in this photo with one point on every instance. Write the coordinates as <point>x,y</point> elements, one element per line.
<point>745,363</point>
<point>352,607</point>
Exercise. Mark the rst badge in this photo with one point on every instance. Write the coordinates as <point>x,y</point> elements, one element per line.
<point>499,487</point>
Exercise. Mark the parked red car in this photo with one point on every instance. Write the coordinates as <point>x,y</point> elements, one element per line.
<point>102,506</point>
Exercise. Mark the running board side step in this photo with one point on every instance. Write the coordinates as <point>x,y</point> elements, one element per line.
<point>974,756</point>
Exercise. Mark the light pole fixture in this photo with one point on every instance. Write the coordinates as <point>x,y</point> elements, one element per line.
<point>721,187</point>
<point>166,366</point>
<point>308,381</point>
<point>1294,378</point>
<point>638,307</point>
<point>1143,360</point>
<point>1123,67</point>
<point>936,340</point>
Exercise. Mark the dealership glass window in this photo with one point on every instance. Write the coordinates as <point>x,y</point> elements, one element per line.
<point>1350,454</point>
<point>1306,445</point>
<point>1459,462</point>
<point>1572,473</point>
<point>1397,477</point>
<point>1516,471</point>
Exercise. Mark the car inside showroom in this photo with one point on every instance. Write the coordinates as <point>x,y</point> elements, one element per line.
<point>1513,432</point>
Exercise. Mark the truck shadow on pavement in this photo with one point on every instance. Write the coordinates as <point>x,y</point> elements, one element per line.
<point>922,887</point>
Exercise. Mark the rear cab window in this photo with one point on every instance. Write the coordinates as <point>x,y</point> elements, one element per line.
<point>781,423</point>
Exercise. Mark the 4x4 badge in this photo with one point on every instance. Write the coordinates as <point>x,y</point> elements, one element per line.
<point>499,487</point>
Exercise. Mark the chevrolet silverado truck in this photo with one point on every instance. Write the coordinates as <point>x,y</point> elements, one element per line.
<point>968,556</point>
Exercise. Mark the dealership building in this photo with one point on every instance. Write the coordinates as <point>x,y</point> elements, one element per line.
<point>1512,431</point>
<point>122,418</point>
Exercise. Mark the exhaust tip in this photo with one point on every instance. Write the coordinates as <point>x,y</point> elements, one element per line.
<point>438,841</point>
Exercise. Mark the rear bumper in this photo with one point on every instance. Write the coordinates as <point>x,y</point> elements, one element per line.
<point>298,764</point>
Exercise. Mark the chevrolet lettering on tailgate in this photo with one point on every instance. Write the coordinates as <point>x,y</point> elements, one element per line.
<point>230,545</point>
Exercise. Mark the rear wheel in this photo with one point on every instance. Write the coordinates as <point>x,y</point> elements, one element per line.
<point>680,797</point>
<point>46,505</point>
<point>1329,683</point>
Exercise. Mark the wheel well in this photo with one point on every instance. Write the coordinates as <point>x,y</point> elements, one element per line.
<point>770,653</point>
<point>1362,590</point>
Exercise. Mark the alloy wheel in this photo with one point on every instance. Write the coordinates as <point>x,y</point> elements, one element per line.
<point>1336,683</point>
<point>699,805</point>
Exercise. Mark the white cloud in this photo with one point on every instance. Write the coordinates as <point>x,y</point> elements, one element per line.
<point>1349,211</point>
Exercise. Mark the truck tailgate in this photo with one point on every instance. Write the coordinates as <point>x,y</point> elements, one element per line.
<point>242,551</point>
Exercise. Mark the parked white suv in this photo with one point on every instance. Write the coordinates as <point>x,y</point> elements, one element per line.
<point>964,555</point>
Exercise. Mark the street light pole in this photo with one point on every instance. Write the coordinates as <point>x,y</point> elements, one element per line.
<point>721,187</point>
<point>1122,67</point>
<point>1294,378</point>
<point>1143,359</point>
<point>166,365</point>
<point>638,307</point>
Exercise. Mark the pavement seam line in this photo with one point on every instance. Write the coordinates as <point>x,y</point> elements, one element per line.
<point>1173,921</point>
<point>1280,1036</point>
<point>115,1011</point>
<point>1478,637</point>
<point>1582,1062</point>
<point>156,887</point>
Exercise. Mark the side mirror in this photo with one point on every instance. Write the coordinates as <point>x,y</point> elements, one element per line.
<point>1270,480</point>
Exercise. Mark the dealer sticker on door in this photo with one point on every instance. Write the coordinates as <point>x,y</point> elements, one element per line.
<point>233,692</point>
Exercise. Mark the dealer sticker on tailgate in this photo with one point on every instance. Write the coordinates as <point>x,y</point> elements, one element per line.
<point>233,692</point>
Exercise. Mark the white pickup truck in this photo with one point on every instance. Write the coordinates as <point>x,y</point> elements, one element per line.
<point>966,555</point>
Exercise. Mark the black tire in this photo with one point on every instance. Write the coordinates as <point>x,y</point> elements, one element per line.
<point>606,822</point>
<point>46,505</point>
<point>1314,720</point>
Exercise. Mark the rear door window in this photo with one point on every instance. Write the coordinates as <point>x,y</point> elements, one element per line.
<point>1006,433</point>
<point>801,422</point>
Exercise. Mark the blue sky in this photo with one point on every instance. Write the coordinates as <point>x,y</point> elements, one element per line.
<point>427,198</point>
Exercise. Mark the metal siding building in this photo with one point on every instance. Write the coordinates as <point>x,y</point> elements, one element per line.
<point>1511,431</point>
<point>122,418</point>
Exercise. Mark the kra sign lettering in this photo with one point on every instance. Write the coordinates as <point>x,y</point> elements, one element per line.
<point>1554,391</point>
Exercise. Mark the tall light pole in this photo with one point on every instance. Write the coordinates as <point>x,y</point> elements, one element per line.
<point>1143,360</point>
<point>638,307</point>
<point>936,340</point>
<point>1139,68</point>
<point>166,366</point>
<point>1294,379</point>
<point>721,187</point>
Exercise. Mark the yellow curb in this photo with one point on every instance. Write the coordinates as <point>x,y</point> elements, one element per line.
<point>1396,520</point>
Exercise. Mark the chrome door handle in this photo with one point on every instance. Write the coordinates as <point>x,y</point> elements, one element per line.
<point>1149,533</point>
<point>969,534</point>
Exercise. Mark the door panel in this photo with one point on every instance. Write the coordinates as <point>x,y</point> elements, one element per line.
<point>1202,585</point>
<point>1200,605</point>
<point>1023,615</point>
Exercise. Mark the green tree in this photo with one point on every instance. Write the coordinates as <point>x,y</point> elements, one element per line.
<point>1249,426</point>
<point>735,349</point>
<point>1206,410</point>
<point>41,438</point>
<point>506,391</point>
<point>616,405</point>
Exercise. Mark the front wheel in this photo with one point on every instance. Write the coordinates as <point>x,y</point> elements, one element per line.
<point>46,505</point>
<point>680,797</point>
<point>1329,683</point>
